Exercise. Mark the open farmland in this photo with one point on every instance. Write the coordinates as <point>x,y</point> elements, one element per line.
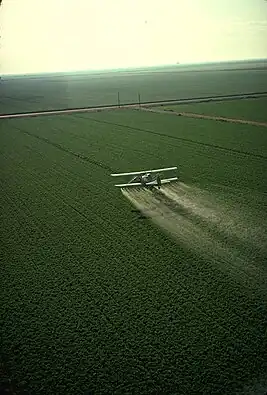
<point>74,90</point>
<point>247,109</point>
<point>95,300</point>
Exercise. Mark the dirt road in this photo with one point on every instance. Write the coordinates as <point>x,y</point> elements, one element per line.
<point>135,105</point>
<point>202,116</point>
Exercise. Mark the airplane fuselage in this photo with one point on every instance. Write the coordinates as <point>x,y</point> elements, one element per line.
<point>146,178</point>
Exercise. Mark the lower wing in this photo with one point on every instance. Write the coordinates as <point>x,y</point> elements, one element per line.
<point>165,181</point>
<point>154,182</point>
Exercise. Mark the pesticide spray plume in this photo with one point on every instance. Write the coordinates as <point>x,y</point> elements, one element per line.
<point>197,220</point>
<point>226,218</point>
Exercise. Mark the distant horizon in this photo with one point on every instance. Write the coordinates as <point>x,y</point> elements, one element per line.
<point>114,69</point>
<point>101,35</point>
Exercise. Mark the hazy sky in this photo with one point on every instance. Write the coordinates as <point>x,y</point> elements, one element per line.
<point>55,35</point>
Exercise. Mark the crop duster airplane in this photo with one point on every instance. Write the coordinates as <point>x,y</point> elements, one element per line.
<point>146,178</point>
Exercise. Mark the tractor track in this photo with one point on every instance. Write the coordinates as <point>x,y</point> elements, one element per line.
<point>190,141</point>
<point>68,151</point>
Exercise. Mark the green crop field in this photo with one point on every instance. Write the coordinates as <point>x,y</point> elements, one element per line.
<point>50,92</point>
<point>95,300</point>
<point>248,109</point>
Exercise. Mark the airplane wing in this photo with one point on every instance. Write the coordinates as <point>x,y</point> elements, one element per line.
<point>132,184</point>
<point>154,182</point>
<point>165,181</point>
<point>160,170</point>
<point>135,173</point>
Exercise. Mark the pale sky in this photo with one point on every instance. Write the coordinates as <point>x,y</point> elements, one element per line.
<point>63,35</point>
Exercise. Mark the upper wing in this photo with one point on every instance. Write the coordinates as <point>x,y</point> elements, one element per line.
<point>165,169</point>
<point>132,184</point>
<point>135,173</point>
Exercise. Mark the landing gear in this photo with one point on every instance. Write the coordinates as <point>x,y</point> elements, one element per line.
<point>158,181</point>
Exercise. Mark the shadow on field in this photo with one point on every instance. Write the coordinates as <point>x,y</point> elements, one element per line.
<point>195,218</point>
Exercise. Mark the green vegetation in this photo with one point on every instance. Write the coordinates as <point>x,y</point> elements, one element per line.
<point>248,109</point>
<point>96,301</point>
<point>50,92</point>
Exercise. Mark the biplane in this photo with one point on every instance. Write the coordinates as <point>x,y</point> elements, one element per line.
<point>146,178</point>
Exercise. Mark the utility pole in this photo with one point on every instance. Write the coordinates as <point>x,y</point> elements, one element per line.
<point>139,100</point>
<point>119,99</point>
